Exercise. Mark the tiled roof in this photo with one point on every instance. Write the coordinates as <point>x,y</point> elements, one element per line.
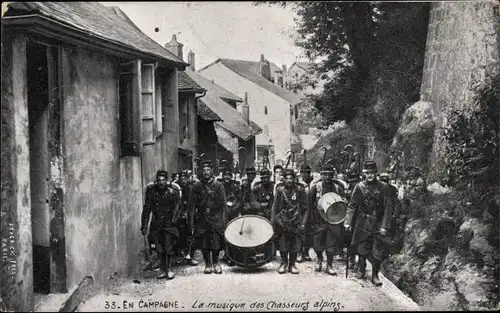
<point>250,70</point>
<point>305,65</point>
<point>187,83</point>
<point>232,120</point>
<point>97,21</point>
<point>206,113</point>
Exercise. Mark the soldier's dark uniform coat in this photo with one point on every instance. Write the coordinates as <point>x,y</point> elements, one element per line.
<point>232,191</point>
<point>373,204</point>
<point>246,195</point>
<point>289,211</point>
<point>261,194</point>
<point>209,203</point>
<point>186,215</point>
<point>163,204</point>
<point>325,236</point>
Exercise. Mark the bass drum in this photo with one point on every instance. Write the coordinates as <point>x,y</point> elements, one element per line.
<point>249,241</point>
<point>333,208</point>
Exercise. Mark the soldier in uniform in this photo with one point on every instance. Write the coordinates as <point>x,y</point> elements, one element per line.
<point>186,219</point>
<point>371,200</point>
<point>246,188</point>
<point>327,237</point>
<point>262,196</point>
<point>232,191</point>
<point>162,201</point>
<point>399,217</point>
<point>289,215</point>
<point>209,203</point>
<point>305,171</point>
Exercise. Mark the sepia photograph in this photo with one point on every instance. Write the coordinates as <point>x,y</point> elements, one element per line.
<point>236,156</point>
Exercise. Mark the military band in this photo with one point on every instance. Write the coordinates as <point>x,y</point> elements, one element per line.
<point>193,210</point>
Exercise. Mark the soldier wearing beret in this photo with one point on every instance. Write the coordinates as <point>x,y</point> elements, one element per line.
<point>209,203</point>
<point>186,219</point>
<point>162,202</point>
<point>371,200</point>
<point>262,196</point>
<point>232,191</point>
<point>305,172</point>
<point>246,188</point>
<point>289,215</point>
<point>327,237</point>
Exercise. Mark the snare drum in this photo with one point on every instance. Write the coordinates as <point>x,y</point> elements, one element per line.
<point>249,241</point>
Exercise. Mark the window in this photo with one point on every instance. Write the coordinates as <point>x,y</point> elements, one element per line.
<point>265,110</point>
<point>159,105</point>
<point>293,129</point>
<point>296,112</point>
<point>148,104</point>
<point>129,99</point>
<point>266,130</point>
<point>183,117</point>
<point>138,107</point>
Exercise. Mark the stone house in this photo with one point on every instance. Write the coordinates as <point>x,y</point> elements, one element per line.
<point>231,129</point>
<point>89,113</point>
<point>271,106</point>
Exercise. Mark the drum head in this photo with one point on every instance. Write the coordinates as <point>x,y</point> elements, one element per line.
<point>248,231</point>
<point>336,213</point>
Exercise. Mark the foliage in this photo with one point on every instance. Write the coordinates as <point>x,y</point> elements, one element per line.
<point>376,51</point>
<point>472,137</point>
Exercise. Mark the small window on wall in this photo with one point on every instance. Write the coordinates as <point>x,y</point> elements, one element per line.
<point>265,110</point>
<point>296,112</point>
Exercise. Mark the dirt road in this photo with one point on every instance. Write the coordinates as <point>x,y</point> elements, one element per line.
<point>240,289</point>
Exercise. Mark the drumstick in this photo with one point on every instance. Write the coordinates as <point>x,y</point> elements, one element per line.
<point>241,229</point>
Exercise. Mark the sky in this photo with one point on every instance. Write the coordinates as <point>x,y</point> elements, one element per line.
<point>212,30</point>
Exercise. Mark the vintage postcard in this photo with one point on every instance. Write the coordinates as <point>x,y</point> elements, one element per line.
<point>250,156</point>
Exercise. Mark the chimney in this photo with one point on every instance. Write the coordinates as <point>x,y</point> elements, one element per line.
<point>175,47</point>
<point>265,68</point>
<point>246,109</point>
<point>191,61</point>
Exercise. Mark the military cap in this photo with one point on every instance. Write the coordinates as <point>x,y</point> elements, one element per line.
<point>250,170</point>
<point>327,168</point>
<point>384,177</point>
<point>305,168</point>
<point>352,177</point>
<point>184,173</point>
<point>226,170</point>
<point>277,167</point>
<point>369,166</point>
<point>223,164</point>
<point>288,172</point>
<point>207,163</point>
<point>175,175</point>
<point>161,173</point>
<point>265,172</point>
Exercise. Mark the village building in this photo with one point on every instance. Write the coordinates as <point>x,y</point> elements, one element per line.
<point>271,106</point>
<point>90,112</point>
<point>234,133</point>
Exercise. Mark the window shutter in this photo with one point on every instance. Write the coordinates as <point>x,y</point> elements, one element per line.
<point>159,105</point>
<point>148,104</point>
<point>130,99</point>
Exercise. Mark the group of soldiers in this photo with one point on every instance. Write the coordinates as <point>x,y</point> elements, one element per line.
<point>187,213</point>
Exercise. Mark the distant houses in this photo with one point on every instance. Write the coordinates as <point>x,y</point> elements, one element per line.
<point>235,132</point>
<point>271,106</point>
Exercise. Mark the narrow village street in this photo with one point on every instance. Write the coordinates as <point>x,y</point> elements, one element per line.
<point>236,289</point>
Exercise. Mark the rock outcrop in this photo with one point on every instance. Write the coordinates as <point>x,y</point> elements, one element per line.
<point>450,260</point>
<point>414,139</point>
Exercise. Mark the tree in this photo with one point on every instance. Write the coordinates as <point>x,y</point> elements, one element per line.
<point>376,51</point>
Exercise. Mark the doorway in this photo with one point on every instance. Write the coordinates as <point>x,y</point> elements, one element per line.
<point>49,265</point>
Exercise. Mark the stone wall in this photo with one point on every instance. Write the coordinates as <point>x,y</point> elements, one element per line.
<point>462,43</point>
